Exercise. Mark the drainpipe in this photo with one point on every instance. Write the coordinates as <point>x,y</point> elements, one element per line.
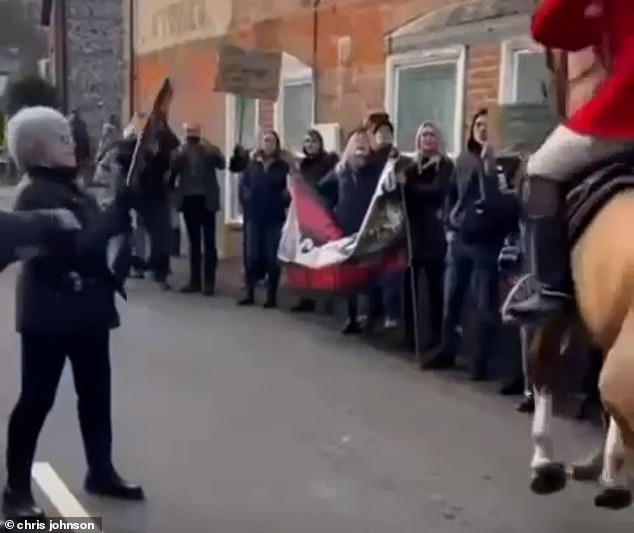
<point>131,60</point>
<point>60,36</point>
<point>315,51</point>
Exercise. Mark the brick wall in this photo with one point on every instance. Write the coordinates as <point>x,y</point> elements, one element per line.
<point>350,56</point>
<point>94,60</point>
<point>483,78</point>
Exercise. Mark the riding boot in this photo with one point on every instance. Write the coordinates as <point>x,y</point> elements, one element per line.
<point>548,246</point>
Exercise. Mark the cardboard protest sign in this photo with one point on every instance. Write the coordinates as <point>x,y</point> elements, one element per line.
<point>252,73</point>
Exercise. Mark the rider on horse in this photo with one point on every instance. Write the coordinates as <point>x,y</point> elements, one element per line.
<point>603,127</point>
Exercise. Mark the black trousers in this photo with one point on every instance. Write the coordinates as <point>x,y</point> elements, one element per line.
<point>43,359</point>
<point>201,231</point>
<point>155,216</point>
<point>262,242</point>
<point>429,290</point>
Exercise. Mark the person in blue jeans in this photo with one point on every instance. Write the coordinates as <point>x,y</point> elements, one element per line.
<point>265,199</point>
<point>472,253</point>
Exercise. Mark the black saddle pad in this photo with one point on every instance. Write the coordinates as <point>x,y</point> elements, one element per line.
<point>587,196</point>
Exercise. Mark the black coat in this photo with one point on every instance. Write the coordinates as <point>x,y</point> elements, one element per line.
<point>426,191</point>
<point>315,168</point>
<point>349,192</point>
<point>263,191</point>
<point>71,290</point>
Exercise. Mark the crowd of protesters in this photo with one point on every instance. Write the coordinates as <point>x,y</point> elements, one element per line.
<point>463,220</point>
<point>462,223</point>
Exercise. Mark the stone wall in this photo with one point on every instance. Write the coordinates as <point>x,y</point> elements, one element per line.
<point>94,60</point>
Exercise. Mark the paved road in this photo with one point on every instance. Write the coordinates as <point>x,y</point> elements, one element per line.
<point>250,421</point>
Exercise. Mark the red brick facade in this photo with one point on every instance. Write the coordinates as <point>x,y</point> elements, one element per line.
<point>348,87</point>
<point>345,42</point>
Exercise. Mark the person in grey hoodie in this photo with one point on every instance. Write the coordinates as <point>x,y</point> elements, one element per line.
<point>473,249</point>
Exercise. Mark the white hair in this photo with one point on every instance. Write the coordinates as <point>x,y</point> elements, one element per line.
<point>38,136</point>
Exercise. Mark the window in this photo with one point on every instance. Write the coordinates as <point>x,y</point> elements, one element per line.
<point>294,107</point>
<point>297,113</point>
<point>242,128</point>
<point>245,111</point>
<point>524,75</point>
<point>426,85</point>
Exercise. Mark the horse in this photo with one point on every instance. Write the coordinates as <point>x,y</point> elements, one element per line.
<point>602,268</point>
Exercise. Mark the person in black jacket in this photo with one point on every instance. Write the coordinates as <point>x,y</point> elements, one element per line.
<point>264,199</point>
<point>65,308</point>
<point>350,188</point>
<point>153,184</point>
<point>474,246</point>
<point>426,188</point>
<point>314,166</point>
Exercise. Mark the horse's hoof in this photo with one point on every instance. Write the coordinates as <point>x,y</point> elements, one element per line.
<point>549,478</point>
<point>614,498</point>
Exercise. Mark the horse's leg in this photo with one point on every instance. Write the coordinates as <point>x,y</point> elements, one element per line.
<point>615,385</point>
<point>548,475</point>
<point>615,493</point>
<point>589,469</point>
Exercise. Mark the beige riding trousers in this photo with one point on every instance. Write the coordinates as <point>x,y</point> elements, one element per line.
<point>565,152</point>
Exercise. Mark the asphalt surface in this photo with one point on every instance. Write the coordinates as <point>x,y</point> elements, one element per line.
<point>250,421</point>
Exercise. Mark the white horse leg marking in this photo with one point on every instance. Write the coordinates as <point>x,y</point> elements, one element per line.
<point>543,446</point>
<point>613,457</point>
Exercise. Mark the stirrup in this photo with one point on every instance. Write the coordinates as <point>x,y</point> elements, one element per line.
<point>523,288</point>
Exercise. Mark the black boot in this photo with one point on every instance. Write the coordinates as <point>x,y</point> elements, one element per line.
<point>19,504</point>
<point>305,305</point>
<point>210,284</point>
<point>194,286</point>
<point>249,298</point>
<point>113,485</point>
<point>548,245</point>
<point>271,292</point>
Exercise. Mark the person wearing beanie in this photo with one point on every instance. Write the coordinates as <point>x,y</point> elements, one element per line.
<point>65,308</point>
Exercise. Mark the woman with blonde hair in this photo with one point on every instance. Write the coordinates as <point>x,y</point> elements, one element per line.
<point>425,191</point>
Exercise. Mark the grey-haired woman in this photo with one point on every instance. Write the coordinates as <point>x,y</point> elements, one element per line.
<point>65,307</point>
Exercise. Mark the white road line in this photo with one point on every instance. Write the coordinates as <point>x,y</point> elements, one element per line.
<point>57,492</point>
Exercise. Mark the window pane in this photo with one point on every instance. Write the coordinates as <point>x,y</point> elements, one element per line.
<point>297,114</point>
<point>531,75</point>
<point>426,93</point>
<point>245,121</point>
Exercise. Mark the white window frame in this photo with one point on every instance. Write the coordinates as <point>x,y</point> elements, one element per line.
<point>231,131</point>
<point>511,48</point>
<point>293,73</point>
<point>455,55</point>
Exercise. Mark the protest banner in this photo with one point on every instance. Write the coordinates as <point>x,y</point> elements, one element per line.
<point>318,257</point>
